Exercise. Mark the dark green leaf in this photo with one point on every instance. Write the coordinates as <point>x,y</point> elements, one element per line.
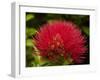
<point>85,30</point>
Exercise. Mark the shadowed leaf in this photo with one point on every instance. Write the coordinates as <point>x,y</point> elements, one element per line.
<point>85,30</point>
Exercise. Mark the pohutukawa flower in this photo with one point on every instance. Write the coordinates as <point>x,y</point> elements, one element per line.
<point>60,39</point>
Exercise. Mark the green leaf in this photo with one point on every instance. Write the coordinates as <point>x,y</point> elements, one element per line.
<point>37,59</point>
<point>86,30</point>
<point>29,43</point>
<point>68,61</point>
<point>30,31</point>
<point>45,64</point>
<point>36,56</point>
<point>29,17</point>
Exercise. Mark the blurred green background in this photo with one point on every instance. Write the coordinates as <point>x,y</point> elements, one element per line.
<point>35,20</point>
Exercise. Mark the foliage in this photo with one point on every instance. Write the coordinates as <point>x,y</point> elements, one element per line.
<point>33,23</point>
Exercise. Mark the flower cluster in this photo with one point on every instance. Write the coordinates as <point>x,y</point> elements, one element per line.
<point>60,39</point>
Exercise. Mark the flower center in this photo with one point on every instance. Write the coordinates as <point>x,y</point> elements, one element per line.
<point>56,42</point>
<point>56,49</point>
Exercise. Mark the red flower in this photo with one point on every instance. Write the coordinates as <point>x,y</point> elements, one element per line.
<point>60,39</point>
